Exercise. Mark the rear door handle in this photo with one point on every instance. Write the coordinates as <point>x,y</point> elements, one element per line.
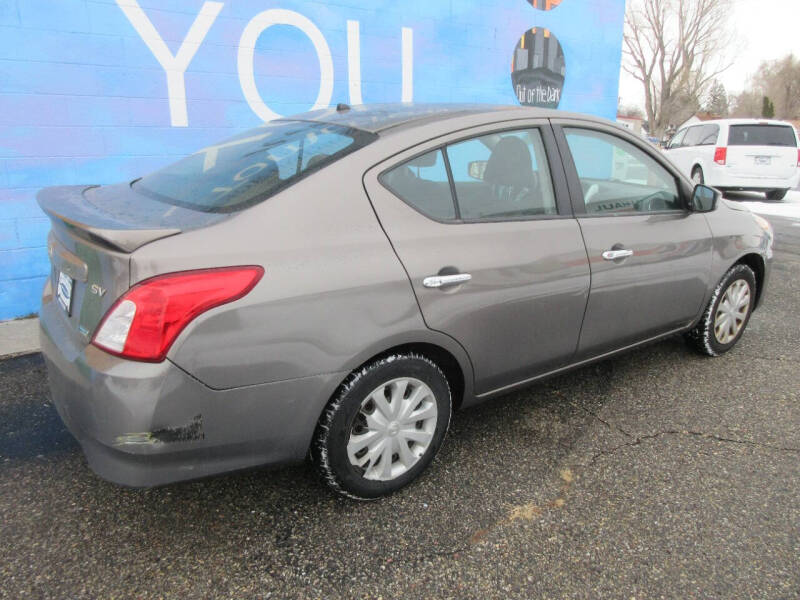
<point>437,281</point>
<point>615,254</point>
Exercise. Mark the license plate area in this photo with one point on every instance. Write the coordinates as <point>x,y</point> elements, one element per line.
<point>66,285</point>
<point>763,160</point>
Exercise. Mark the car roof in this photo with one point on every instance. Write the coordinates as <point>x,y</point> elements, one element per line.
<point>741,122</point>
<point>381,118</point>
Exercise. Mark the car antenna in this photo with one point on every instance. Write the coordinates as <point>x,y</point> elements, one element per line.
<point>342,107</point>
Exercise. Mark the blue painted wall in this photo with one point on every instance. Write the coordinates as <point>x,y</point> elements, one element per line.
<point>84,98</point>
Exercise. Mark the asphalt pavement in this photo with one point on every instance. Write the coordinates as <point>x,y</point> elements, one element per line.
<point>658,474</point>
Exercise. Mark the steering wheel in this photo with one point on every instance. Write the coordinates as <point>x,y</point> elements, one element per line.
<point>653,202</point>
<point>590,193</point>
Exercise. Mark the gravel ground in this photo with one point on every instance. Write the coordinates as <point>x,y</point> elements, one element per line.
<point>659,474</point>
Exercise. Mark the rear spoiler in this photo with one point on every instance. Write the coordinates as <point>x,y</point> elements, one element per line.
<point>122,230</point>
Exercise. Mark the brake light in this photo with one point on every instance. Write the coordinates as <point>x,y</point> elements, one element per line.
<point>144,322</point>
<point>720,154</point>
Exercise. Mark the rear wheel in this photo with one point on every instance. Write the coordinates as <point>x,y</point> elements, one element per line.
<point>727,313</point>
<point>383,427</point>
<point>697,176</point>
<point>776,194</point>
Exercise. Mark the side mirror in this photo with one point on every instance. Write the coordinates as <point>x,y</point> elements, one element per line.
<point>704,199</point>
<point>477,168</point>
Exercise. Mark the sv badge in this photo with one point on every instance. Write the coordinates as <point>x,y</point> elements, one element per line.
<point>100,291</point>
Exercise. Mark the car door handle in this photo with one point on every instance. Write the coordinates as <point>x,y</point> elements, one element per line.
<point>615,254</point>
<point>437,281</point>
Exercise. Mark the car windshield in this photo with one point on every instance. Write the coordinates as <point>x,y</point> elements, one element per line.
<point>251,167</point>
<point>761,135</point>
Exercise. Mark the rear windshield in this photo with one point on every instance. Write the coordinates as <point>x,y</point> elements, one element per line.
<point>253,166</point>
<point>761,135</point>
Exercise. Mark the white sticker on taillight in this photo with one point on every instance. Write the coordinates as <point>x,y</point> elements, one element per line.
<point>113,332</point>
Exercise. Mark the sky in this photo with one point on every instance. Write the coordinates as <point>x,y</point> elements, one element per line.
<point>764,30</point>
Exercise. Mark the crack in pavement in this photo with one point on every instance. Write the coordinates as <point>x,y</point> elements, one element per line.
<point>689,433</point>
<point>530,510</point>
<point>773,358</point>
<point>604,422</point>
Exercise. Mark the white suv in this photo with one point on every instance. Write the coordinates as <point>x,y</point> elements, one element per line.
<point>739,154</point>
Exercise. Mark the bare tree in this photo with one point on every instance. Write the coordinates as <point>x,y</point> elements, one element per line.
<point>780,81</point>
<point>674,48</point>
<point>747,104</point>
<point>777,81</point>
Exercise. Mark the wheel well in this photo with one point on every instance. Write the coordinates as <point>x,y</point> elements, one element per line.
<point>445,361</point>
<point>696,166</point>
<point>755,262</point>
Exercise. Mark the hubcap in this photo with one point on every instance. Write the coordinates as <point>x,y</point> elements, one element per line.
<point>732,311</point>
<point>393,429</point>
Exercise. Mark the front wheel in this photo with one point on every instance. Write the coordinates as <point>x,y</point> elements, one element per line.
<point>776,194</point>
<point>383,427</point>
<point>727,313</point>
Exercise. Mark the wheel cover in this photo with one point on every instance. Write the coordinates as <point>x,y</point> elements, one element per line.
<point>393,429</point>
<point>732,311</point>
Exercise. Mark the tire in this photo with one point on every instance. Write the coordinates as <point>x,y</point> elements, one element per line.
<point>776,194</point>
<point>697,176</point>
<point>353,412</point>
<point>710,340</point>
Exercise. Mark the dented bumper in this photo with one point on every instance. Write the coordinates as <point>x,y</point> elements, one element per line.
<point>144,424</point>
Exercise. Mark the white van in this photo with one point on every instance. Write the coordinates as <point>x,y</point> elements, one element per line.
<point>739,154</point>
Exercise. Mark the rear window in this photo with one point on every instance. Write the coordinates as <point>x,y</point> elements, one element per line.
<point>251,167</point>
<point>761,135</point>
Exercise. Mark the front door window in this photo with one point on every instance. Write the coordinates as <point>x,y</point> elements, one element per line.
<point>617,178</point>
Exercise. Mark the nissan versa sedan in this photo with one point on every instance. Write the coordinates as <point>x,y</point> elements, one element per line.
<point>335,284</point>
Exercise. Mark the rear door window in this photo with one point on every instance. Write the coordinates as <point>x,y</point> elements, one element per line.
<point>495,177</point>
<point>422,183</point>
<point>761,135</point>
<point>502,175</point>
<point>253,166</point>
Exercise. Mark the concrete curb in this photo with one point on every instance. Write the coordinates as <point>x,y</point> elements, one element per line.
<point>20,336</point>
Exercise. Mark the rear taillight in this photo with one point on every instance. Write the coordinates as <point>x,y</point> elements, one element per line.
<point>143,323</point>
<point>720,154</point>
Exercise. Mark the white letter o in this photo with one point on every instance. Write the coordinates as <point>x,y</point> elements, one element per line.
<point>247,47</point>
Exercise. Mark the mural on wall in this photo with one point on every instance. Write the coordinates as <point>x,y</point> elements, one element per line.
<point>100,91</point>
<point>538,69</point>
<point>544,4</point>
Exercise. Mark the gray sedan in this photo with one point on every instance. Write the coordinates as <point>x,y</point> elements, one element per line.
<point>337,283</point>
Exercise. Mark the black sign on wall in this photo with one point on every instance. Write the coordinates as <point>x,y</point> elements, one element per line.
<point>538,69</point>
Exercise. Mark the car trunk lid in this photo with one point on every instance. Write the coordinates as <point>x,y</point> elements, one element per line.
<point>94,232</point>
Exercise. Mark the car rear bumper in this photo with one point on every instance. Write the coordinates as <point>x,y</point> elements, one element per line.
<point>722,178</point>
<point>145,424</point>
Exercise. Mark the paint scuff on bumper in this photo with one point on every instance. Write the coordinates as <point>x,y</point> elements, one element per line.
<point>193,431</point>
